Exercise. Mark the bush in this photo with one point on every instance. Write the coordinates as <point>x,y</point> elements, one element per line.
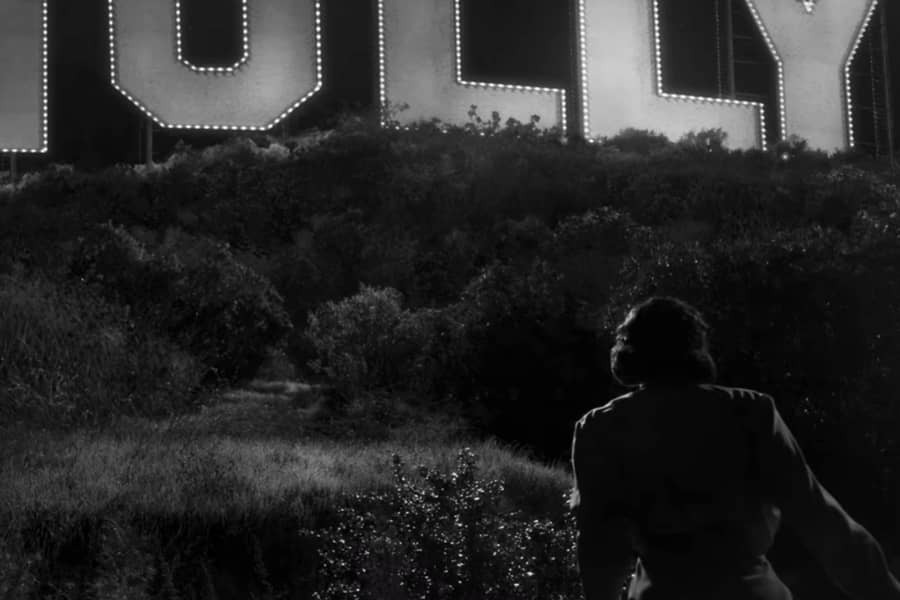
<point>588,250</point>
<point>639,141</point>
<point>366,341</point>
<point>67,355</point>
<point>126,273</point>
<point>521,240</point>
<point>703,141</point>
<point>232,317</point>
<point>215,307</point>
<point>510,348</point>
<point>447,537</point>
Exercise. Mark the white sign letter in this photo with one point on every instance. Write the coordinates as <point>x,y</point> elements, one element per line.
<point>815,43</point>
<point>23,76</point>
<point>419,55</point>
<point>621,81</point>
<point>281,67</point>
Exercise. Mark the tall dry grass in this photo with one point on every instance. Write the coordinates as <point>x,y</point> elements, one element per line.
<point>67,356</point>
<point>172,473</point>
<point>139,498</point>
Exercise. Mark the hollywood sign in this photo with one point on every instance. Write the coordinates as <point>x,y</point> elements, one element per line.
<point>620,81</point>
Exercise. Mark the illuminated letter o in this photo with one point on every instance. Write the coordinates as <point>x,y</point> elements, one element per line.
<point>283,66</point>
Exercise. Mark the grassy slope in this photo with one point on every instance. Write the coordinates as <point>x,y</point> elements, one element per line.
<point>96,507</point>
<point>247,451</point>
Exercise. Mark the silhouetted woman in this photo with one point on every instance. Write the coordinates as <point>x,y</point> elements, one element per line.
<point>694,479</point>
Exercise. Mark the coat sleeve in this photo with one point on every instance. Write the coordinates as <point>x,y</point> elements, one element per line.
<point>605,555</point>
<point>849,554</point>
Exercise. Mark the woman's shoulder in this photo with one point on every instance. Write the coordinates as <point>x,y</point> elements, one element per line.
<point>604,413</point>
<point>745,401</point>
<point>755,409</point>
<point>739,396</point>
<point>610,407</point>
<point>733,392</point>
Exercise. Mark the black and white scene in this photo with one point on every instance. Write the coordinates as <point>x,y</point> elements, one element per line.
<point>449,300</point>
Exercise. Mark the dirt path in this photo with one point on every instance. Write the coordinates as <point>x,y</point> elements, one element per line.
<point>261,409</point>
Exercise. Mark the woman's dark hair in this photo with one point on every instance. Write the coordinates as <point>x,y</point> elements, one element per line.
<point>662,340</point>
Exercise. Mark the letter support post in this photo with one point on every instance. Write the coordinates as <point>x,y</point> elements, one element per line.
<point>888,96</point>
<point>148,140</point>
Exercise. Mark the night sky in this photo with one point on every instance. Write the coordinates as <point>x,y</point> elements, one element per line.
<point>506,41</point>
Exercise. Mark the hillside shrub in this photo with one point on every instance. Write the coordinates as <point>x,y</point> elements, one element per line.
<point>520,240</point>
<point>339,241</point>
<point>125,272</point>
<point>446,536</point>
<point>522,335</point>
<point>365,341</point>
<point>329,259</point>
<point>234,315</point>
<point>437,275</point>
<point>214,307</point>
<point>588,250</point>
<point>509,349</point>
<point>298,279</point>
<point>69,356</point>
<point>657,197</point>
<point>638,141</point>
<point>376,186</point>
<point>703,141</point>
